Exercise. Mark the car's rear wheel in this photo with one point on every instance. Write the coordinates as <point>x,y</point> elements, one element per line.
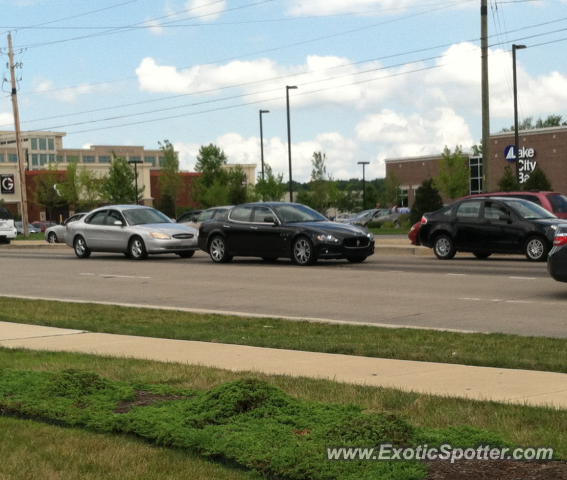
<point>80,247</point>
<point>536,249</point>
<point>303,252</point>
<point>218,250</point>
<point>137,249</point>
<point>444,247</point>
<point>357,259</point>
<point>187,254</point>
<point>52,237</point>
<point>481,255</point>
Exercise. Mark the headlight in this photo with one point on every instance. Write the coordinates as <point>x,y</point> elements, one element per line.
<point>160,235</point>
<point>554,227</point>
<point>370,236</point>
<point>325,238</point>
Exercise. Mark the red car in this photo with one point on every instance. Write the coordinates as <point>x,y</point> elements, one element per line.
<point>553,202</point>
<point>413,234</point>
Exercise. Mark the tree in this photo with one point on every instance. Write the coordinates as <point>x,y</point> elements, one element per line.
<point>323,191</point>
<point>169,180</point>
<point>538,181</point>
<point>70,188</point>
<point>272,188</point>
<point>90,189</point>
<point>119,186</point>
<point>454,174</point>
<point>427,199</point>
<point>210,162</point>
<point>236,185</point>
<point>528,123</point>
<point>47,192</point>
<point>509,181</point>
<point>391,191</point>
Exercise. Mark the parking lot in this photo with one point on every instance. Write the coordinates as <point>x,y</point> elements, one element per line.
<point>502,294</point>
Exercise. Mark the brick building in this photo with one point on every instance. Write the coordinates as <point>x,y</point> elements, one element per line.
<point>545,148</point>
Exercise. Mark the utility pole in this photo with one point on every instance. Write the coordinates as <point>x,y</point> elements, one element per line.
<point>262,141</point>
<point>485,90</point>
<point>21,158</point>
<point>516,133</point>
<point>287,89</point>
<point>364,183</point>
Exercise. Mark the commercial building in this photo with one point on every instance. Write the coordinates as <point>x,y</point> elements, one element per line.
<point>44,149</point>
<point>545,148</point>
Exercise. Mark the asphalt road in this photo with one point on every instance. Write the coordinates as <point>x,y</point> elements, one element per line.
<point>501,294</point>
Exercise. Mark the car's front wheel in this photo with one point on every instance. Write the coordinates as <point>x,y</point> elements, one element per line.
<point>444,247</point>
<point>52,237</point>
<point>80,247</point>
<point>303,252</point>
<point>137,249</point>
<point>218,250</point>
<point>536,249</point>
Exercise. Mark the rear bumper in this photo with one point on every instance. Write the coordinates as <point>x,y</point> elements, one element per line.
<point>10,234</point>
<point>557,264</point>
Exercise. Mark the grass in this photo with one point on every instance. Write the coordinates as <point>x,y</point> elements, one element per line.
<point>493,350</point>
<point>519,425</point>
<point>32,236</point>
<point>32,450</point>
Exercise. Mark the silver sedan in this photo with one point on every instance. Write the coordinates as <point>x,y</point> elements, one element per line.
<point>56,234</point>
<point>133,230</point>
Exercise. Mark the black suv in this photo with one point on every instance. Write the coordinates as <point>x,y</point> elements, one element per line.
<point>484,225</point>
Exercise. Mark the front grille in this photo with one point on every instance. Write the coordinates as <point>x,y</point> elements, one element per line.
<point>183,236</point>
<point>356,242</point>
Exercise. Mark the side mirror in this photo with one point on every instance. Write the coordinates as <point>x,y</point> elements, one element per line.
<point>118,223</point>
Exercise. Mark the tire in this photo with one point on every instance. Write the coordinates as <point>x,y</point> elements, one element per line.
<point>358,259</point>
<point>482,255</point>
<point>536,249</point>
<point>80,247</point>
<point>52,237</point>
<point>444,247</point>
<point>218,251</point>
<point>302,252</point>
<point>187,254</point>
<point>137,249</point>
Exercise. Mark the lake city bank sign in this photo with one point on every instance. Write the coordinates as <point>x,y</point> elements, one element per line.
<point>527,162</point>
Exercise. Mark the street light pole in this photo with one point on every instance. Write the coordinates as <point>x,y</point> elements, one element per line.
<point>516,134</point>
<point>262,140</point>
<point>287,89</point>
<point>135,163</point>
<point>363,183</point>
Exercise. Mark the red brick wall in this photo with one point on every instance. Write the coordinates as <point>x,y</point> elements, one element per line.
<point>185,195</point>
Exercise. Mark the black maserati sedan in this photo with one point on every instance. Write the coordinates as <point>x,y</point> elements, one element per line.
<point>557,260</point>
<point>483,226</point>
<point>275,230</point>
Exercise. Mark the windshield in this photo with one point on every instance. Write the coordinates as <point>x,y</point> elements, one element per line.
<point>558,202</point>
<point>298,213</point>
<point>529,210</point>
<point>144,216</point>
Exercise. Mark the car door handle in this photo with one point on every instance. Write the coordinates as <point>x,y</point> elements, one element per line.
<point>226,226</point>
<point>254,228</point>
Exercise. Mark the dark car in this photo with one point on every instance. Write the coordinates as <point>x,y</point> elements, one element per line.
<point>557,260</point>
<point>484,226</point>
<point>289,230</point>
<point>552,201</point>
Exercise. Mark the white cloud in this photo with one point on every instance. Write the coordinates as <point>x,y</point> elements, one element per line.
<point>206,9</point>
<point>6,118</point>
<point>67,95</point>
<point>154,27</point>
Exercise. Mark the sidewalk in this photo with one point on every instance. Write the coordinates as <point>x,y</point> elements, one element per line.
<point>477,383</point>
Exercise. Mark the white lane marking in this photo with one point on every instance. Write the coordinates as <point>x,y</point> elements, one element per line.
<point>523,278</point>
<point>456,274</point>
<point>110,275</point>
<point>498,300</point>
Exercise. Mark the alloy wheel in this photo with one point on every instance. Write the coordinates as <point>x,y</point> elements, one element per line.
<point>302,251</point>
<point>217,249</point>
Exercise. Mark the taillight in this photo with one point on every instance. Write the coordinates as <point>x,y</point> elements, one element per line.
<point>423,220</point>
<point>560,239</point>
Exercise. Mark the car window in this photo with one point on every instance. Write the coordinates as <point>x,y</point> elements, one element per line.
<point>221,214</point>
<point>528,210</point>
<point>469,209</point>
<point>241,214</point>
<point>260,214</point>
<point>5,214</point>
<point>558,202</point>
<point>113,216</point>
<point>186,217</point>
<point>206,215</point>
<point>530,198</point>
<point>97,218</point>
<point>495,211</point>
<point>145,216</point>
<point>298,213</point>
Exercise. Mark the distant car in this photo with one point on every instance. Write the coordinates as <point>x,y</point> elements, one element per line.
<point>42,226</point>
<point>31,228</point>
<point>554,202</point>
<point>365,217</point>
<point>133,230</point>
<point>557,259</point>
<point>189,216</point>
<point>8,230</point>
<point>277,229</point>
<point>486,225</point>
<point>56,234</point>
<point>213,213</point>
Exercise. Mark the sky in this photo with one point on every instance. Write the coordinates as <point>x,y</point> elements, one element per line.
<point>376,79</point>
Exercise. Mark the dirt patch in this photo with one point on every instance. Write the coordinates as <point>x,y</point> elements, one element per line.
<point>497,470</point>
<point>144,398</point>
